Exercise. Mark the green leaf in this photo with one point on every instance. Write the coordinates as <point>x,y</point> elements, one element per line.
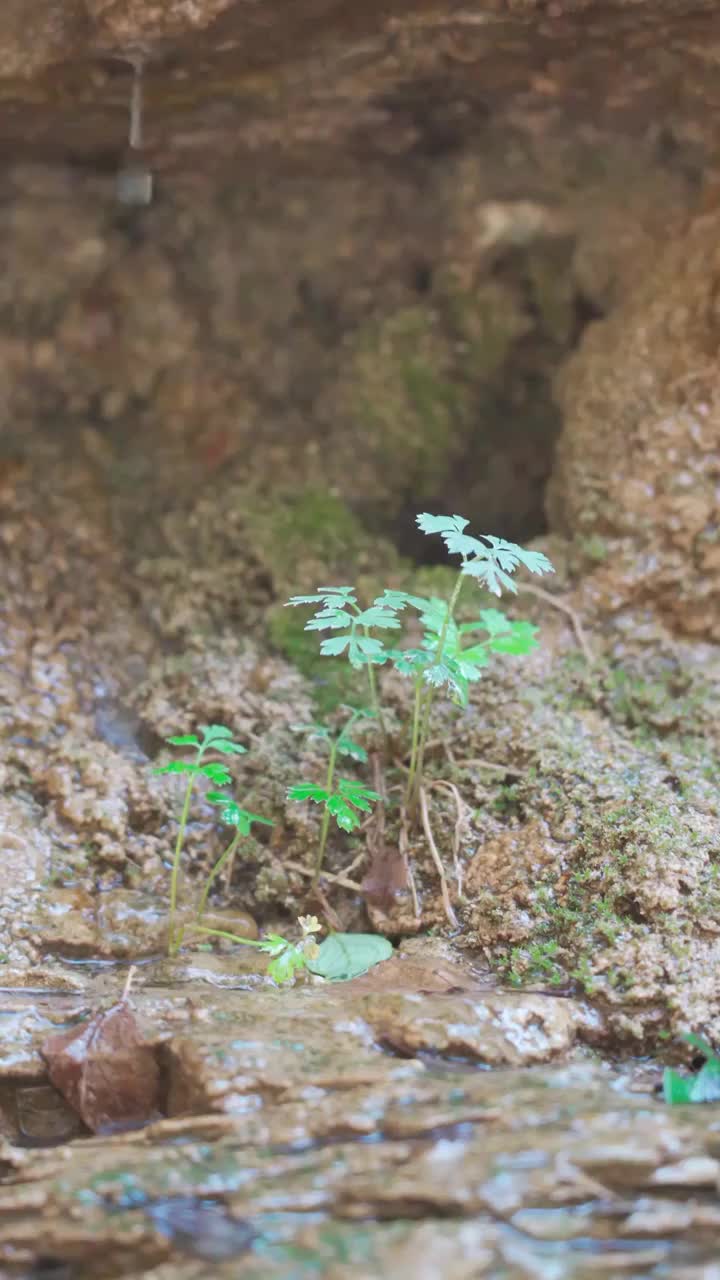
<point>519,640</point>
<point>706,1085</point>
<point>366,649</point>
<point>229,747</point>
<point>329,620</point>
<point>346,747</point>
<point>184,740</point>
<point>213,731</point>
<point>335,645</point>
<point>246,819</point>
<point>399,600</point>
<point>472,658</point>
<point>343,956</point>
<point>218,797</point>
<point>461,544</point>
<point>178,766</point>
<point>217,773</point>
<point>283,967</point>
<point>342,813</point>
<point>440,524</point>
<point>308,791</point>
<point>356,793</point>
<point>494,622</point>
<point>273,944</point>
<point>376,616</point>
<point>488,572</point>
<point>328,596</point>
<point>410,662</point>
<point>677,1089</point>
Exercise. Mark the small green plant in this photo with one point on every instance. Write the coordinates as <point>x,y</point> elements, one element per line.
<point>339,958</point>
<point>216,737</point>
<point>703,1087</point>
<point>451,655</point>
<point>341,798</point>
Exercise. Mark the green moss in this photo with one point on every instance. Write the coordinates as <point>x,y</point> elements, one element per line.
<point>311,526</point>
<point>409,405</point>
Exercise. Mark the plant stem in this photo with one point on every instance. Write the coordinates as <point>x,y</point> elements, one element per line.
<point>216,871</point>
<point>223,933</point>
<point>374,696</point>
<point>420,731</point>
<point>326,812</point>
<point>173,948</point>
<point>417,705</point>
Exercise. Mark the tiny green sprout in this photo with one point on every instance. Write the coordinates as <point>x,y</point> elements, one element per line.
<point>340,797</point>
<point>703,1087</point>
<point>216,737</point>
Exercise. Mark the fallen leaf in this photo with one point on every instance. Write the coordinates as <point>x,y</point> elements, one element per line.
<point>105,1070</point>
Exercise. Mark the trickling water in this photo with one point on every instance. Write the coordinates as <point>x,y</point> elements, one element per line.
<point>135,180</point>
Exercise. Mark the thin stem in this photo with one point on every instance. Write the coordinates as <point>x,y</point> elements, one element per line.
<point>216,871</point>
<point>417,707</point>
<point>417,772</point>
<point>172,947</point>
<point>223,933</point>
<point>375,699</point>
<point>326,813</point>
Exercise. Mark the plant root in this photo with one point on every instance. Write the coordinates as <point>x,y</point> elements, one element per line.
<point>450,914</point>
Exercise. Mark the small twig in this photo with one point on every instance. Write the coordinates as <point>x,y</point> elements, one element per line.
<point>331,917</point>
<point>339,879</point>
<point>530,589</point>
<point>494,765</point>
<point>128,983</point>
<point>436,858</point>
<point>356,862</point>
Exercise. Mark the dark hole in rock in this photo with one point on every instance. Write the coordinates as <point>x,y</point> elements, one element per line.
<point>499,414</point>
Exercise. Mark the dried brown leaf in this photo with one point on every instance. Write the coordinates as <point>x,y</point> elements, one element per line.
<point>105,1070</point>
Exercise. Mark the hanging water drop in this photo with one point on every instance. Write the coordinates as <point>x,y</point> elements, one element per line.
<point>134,184</point>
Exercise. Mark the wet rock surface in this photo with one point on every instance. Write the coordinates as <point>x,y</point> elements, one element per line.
<point>414,1163</point>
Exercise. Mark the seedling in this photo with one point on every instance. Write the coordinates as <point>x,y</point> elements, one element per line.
<point>444,658</point>
<point>703,1087</point>
<point>216,737</point>
<point>340,797</point>
<point>339,958</point>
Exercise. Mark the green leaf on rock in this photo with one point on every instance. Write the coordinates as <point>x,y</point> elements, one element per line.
<point>343,956</point>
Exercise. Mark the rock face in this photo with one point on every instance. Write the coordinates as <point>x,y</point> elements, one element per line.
<point>638,464</point>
